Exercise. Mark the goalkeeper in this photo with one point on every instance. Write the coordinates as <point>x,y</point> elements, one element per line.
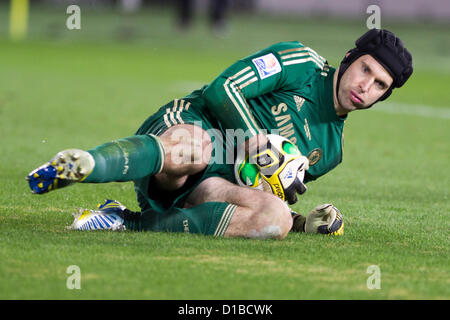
<point>286,89</point>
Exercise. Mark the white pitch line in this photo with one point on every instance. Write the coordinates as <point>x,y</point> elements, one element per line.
<point>386,107</point>
<point>413,109</point>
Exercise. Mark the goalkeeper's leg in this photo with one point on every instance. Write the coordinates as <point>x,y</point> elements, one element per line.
<point>259,214</point>
<point>181,151</point>
<point>120,160</point>
<point>219,208</point>
<point>216,207</point>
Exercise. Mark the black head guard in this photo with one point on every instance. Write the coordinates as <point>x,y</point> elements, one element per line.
<point>388,50</point>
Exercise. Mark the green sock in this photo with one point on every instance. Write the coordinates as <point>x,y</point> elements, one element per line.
<point>127,159</point>
<point>209,218</point>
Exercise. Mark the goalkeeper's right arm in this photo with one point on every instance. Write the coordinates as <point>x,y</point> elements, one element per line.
<point>251,77</point>
<point>226,97</point>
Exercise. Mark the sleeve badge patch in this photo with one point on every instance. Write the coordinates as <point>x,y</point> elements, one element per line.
<point>267,65</point>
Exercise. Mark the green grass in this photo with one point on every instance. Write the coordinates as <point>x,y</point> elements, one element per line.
<point>63,89</point>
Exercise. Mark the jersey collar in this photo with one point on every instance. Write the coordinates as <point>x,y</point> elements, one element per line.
<point>326,94</point>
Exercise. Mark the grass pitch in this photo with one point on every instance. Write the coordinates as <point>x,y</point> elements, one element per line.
<point>63,89</point>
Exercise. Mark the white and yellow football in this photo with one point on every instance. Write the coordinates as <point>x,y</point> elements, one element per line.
<point>274,169</point>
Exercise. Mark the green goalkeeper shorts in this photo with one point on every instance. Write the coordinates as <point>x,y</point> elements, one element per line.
<point>189,110</point>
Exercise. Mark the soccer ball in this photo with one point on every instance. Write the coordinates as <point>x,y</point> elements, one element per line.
<point>279,164</point>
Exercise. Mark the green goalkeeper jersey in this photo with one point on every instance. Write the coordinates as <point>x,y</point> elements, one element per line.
<point>286,89</point>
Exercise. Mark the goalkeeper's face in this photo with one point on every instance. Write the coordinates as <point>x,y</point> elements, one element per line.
<point>362,84</point>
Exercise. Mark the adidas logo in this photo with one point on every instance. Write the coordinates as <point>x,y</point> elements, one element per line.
<point>299,102</point>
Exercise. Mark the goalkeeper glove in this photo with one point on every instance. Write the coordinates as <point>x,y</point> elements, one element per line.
<point>324,219</point>
<point>282,167</point>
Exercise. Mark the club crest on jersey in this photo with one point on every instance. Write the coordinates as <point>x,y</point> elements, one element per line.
<point>267,65</point>
<point>314,156</point>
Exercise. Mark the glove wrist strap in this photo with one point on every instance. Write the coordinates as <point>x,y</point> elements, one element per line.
<point>298,224</point>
